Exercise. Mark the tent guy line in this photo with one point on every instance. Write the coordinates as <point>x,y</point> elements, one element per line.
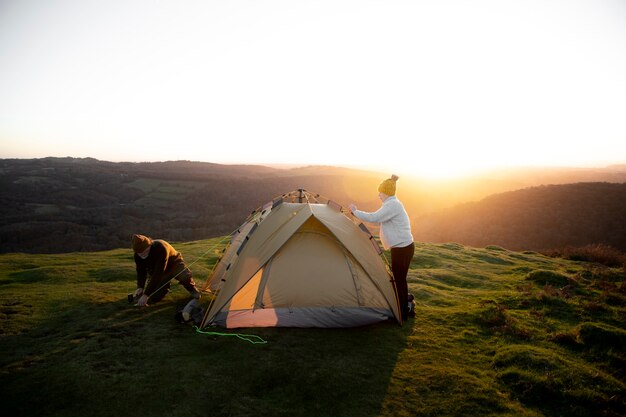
<point>252,338</point>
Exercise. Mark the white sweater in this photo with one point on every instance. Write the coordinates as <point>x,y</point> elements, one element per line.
<point>395,227</point>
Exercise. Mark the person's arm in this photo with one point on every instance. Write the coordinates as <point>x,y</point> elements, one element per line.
<point>142,272</point>
<point>156,274</point>
<point>383,214</point>
<point>142,275</point>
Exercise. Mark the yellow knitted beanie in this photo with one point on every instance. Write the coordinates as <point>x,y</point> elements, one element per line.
<point>141,243</point>
<point>388,186</point>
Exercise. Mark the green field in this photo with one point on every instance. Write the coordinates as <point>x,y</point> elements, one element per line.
<point>162,193</point>
<point>497,333</point>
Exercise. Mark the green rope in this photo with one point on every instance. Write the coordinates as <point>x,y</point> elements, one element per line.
<point>252,338</point>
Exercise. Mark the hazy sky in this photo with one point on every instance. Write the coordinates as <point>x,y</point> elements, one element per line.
<point>435,87</point>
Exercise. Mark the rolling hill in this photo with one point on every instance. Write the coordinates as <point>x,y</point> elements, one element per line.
<point>535,218</point>
<point>54,205</point>
<point>497,333</point>
<point>67,204</point>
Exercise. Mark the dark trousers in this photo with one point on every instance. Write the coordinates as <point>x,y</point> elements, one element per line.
<point>400,261</point>
<point>184,278</point>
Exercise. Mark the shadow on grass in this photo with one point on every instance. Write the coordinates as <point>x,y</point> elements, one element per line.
<point>543,379</point>
<point>125,273</point>
<point>116,359</point>
<point>31,276</point>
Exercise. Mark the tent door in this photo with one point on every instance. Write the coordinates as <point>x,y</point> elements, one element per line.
<point>355,278</point>
<point>258,302</point>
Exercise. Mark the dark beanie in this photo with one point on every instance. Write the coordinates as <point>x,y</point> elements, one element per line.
<point>141,243</point>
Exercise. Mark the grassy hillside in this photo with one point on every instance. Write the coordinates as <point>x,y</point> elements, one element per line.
<point>56,205</point>
<point>497,333</point>
<point>535,218</point>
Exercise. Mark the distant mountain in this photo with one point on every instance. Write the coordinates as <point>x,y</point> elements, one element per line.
<point>536,218</point>
<point>435,195</point>
<point>618,167</point>
<point>84,204</point>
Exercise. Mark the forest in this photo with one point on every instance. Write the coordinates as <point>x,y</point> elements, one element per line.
<point>536,218</point>
<point>54,205</point>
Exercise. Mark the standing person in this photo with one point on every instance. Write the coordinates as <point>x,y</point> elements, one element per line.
<point>395,234</point>
<point>162,263</point>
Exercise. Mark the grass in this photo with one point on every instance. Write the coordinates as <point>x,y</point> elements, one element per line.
<point>497,333</point>
<point>163,192</point>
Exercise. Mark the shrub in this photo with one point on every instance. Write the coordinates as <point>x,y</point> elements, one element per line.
<point>613,299</point>
<point>542,377</point>
<point>545,277</point>
<point>599,253</point>
<point>452,246</point>
<point>564,292</point>
<point>601,274</point>
<point>496,317</point>
<point>594,307</point>
<point>602,336</point>
<point>495,248</point>
<point>564,339</point>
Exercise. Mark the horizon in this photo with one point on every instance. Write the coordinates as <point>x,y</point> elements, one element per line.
<point>439,90</point>
<point>410,175</point>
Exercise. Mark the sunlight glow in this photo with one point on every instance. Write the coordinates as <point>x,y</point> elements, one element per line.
<point>432,88</point>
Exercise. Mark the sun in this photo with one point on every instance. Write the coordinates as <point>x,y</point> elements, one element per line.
<point>439,166</point>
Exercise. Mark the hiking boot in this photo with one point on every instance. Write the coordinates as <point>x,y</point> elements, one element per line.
<point>191,313</point>
<point>410,306</point>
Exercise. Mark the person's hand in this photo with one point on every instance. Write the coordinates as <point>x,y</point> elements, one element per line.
<point>352,208</point>
<point>143,301</point>
<point>138,292</point>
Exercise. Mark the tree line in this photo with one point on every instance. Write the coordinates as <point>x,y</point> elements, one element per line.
<point>67,204</point>
<point>54,205</point>
<point>536,218</point>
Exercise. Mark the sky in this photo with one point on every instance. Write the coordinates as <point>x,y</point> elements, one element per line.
<point>433,88</point>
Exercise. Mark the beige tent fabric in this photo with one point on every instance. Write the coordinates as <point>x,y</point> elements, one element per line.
<point>237,239</point>
<point>269,236</point>
<point>229,256</point>
<point>331,277</point>
<point>304,265</point>
<point>358,244</point>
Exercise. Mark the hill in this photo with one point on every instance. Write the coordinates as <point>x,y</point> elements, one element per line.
<point>54,205</point>
<point>536,218</point>
<point>497,333</point>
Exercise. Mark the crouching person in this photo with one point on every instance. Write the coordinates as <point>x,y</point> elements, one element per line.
<point>160,262</point>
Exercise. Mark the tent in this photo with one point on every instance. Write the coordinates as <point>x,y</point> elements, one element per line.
<point>300,262</point>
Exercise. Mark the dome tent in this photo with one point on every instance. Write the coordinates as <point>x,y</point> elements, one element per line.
<point>299,262</point>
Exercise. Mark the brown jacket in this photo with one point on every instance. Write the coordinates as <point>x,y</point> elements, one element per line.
<point>163,263</point>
